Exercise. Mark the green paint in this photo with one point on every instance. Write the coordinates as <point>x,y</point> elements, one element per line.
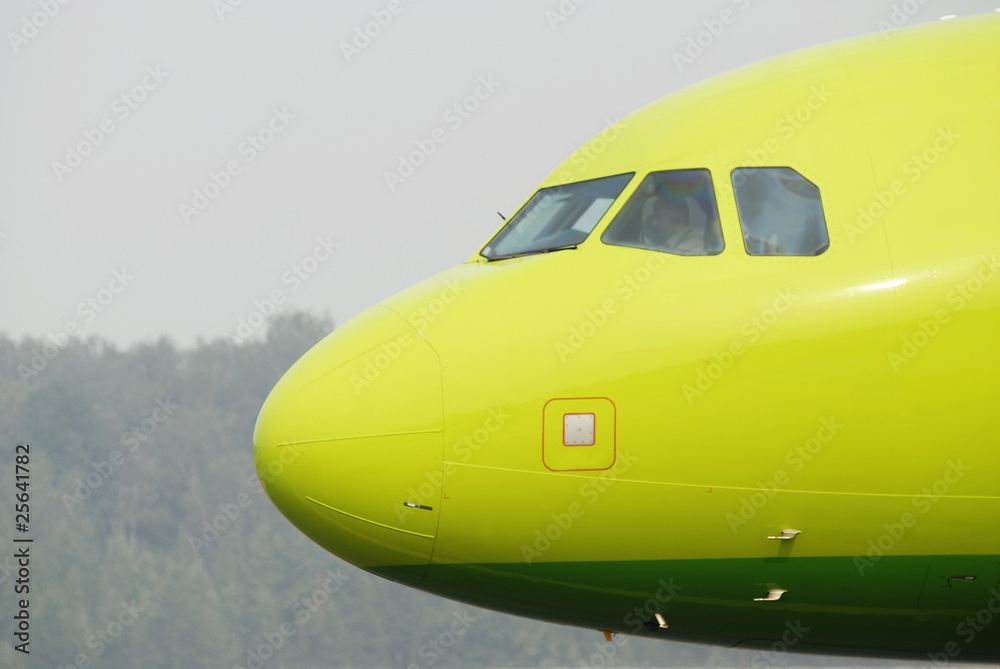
<point>877,607</point>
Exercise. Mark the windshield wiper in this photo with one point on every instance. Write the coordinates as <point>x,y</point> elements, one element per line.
<point>533,253</point>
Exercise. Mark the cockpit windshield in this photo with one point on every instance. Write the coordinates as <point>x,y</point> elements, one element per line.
<point>556,218</point>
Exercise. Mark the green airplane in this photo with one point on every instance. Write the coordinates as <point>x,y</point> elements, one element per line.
<point>727,377</point>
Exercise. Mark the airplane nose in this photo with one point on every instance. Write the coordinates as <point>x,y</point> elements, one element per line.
<point>348,445</point>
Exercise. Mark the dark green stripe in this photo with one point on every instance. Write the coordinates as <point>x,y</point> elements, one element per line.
<point>898,606</point>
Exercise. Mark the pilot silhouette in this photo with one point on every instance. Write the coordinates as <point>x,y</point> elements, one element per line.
<point>667,226</point>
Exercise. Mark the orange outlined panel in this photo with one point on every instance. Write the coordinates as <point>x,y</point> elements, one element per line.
<point>578,434</point>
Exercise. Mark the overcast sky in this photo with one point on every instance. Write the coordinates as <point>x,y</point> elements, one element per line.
<point>165,166</point>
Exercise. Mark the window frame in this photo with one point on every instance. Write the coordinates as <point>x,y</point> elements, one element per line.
<point>712,191</point>
<point>744,230</point>
<point>510,224</point>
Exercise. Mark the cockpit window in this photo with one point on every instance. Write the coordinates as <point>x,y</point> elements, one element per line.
<point>781,212</point>
<point>673,212</point>
<point>556,218</point>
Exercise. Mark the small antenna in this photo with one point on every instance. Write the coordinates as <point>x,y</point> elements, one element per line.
<point>501,216</point>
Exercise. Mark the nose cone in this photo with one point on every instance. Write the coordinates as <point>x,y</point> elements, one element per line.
<point>348,445</point>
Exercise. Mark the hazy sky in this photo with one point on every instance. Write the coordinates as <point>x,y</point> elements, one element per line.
<point>165,166</point>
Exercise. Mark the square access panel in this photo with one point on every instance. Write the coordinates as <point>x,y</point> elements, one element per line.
<point>578,434</point>
<point>578,429</point>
